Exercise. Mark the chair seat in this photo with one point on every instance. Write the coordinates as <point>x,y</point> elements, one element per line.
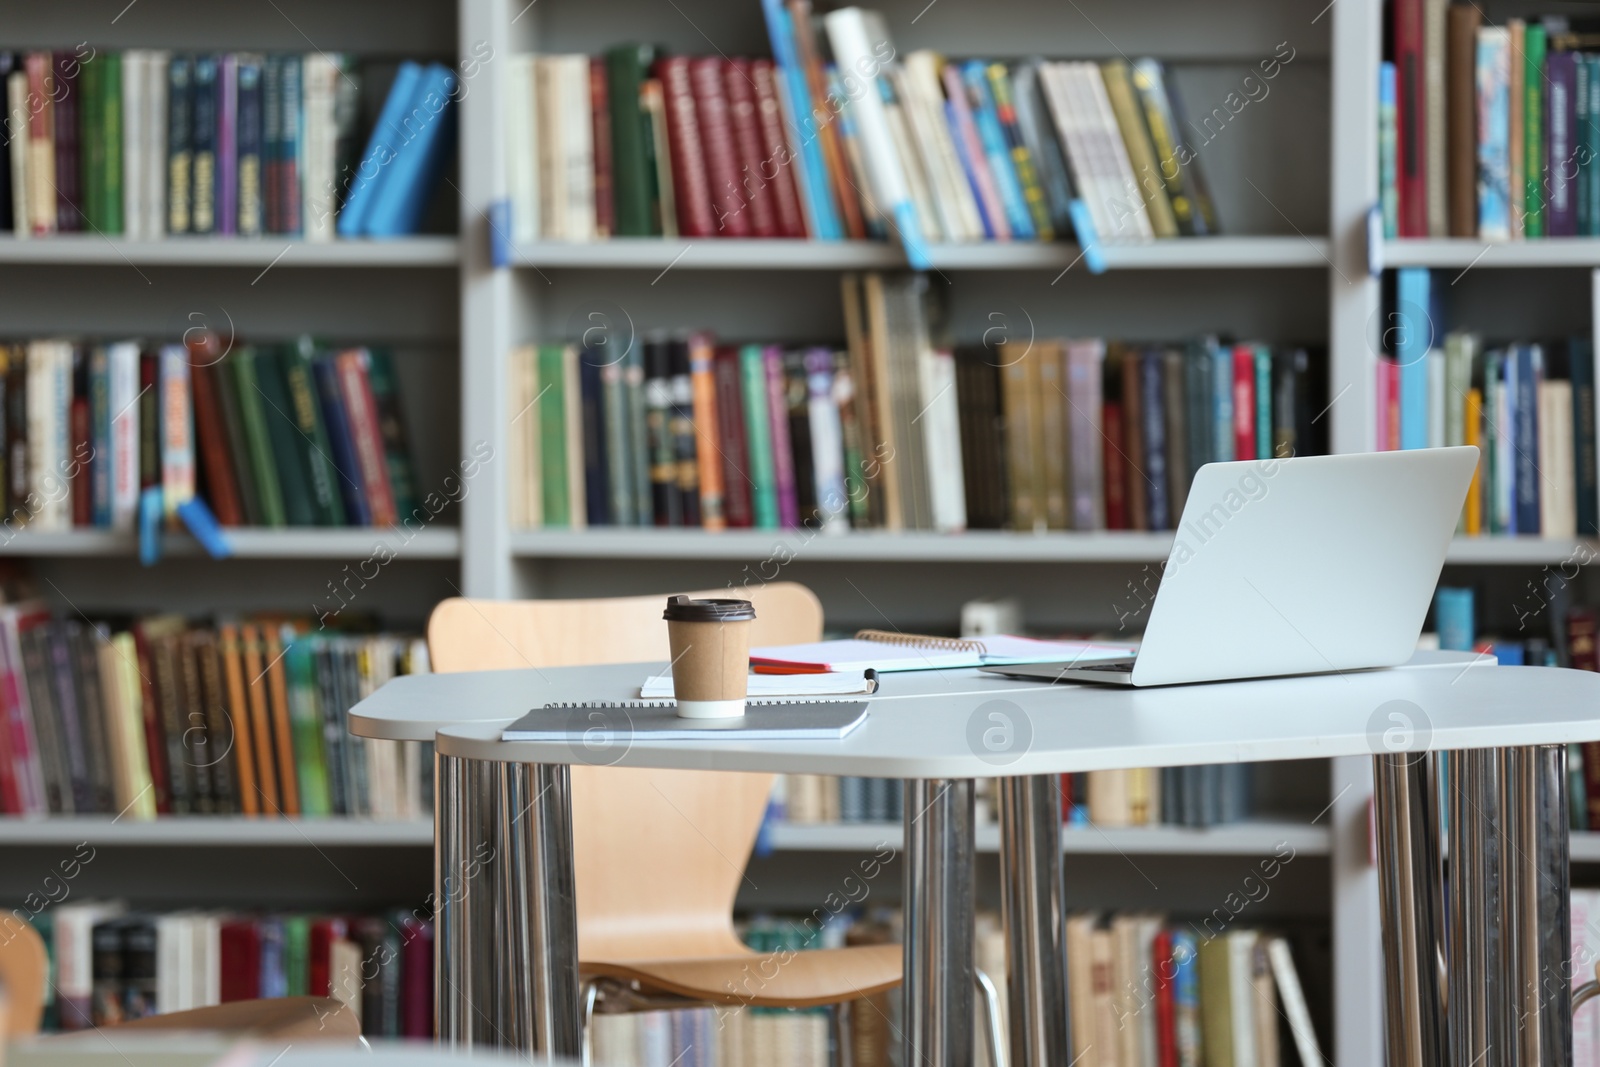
<point>765,980</point>
<point>276,1017</point>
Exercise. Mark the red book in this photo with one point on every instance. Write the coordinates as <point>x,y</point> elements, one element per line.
<point>1244,402</point>
<point>222,489</point>
<point>691,183</point>
<point>777,163</point>
<point>416,978</point>
<point>361,408</point>
<point>1411,118</point>
<point>755,193</point>
<point>1111,454</point>
<point>731,438</point>
<point>605,217</point>
<point>241,960</point>
<point>1162,967</point>
<point>718,146</point>
<point>319,965</point>
<point>82,446</point>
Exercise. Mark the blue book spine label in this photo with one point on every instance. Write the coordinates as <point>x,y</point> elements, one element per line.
<point>1413,334</point>
<point>1221,403</point>
<point>974,75</point>
<point>1525,425</point>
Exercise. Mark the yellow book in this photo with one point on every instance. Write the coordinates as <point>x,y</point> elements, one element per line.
<point>1141,153</point>
<point>1474,436</point>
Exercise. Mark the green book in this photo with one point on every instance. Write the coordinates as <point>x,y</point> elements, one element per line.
<point>91,143</point>
<point>758,431</point>
<point>392,428</point>
<point>283,435</point>
<point>1533,155</point>
<point>297,952</point>
<point>620,431</point>
<point>551,387</point>
<point>111,129</point>
<point>305,724</point>
<point>313,435</point>
<point>627,66</point>
<point>244,474</point>
<point>257,442</point>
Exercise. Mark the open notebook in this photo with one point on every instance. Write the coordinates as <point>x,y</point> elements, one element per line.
<point>883,650</point>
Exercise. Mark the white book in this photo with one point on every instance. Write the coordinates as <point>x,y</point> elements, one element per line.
<point>1293,999</point>
<point>1055,79</point>
<point>321,130</point>
<point>1437,195</point>
<point>1505,444</point>
<point>577,141</point>
<point>953,196</point>
<point>124,459</point>
<point>154,155</point>
<point>827,442</point>
<point>917,180</point>
<point>1242,996</point>
<point>522,149</point>
<point>74,953</point>
<point>177,431</point>
<point>17,123</point>
<point>941,435</point>
<point>134,117</point>
<point>856,34</point>
<point>49,502</point>
<point>1437,399</point>
<point>1130,215</point>
<point>1558,507</point>
<point>172,963</point>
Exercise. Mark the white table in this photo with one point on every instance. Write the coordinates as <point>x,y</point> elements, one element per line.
<point>513,945</point>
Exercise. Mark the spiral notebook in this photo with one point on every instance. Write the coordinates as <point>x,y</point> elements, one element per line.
<point>885,650</point>
<point>596,731</point>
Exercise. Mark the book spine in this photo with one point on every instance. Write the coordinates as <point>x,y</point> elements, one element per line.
<point>969,147</point>
<point>248,131</point>
<point>204,177</point>
<point>619,447</point>
<point>271,142</point>
<point>691,183</point>
<point>312,435</point>
<point>1244,402</point>
<point>1408,50</point>
<point>993,143</point>
<point>80,456</point>
<point>69,193</point>
<point>631,204</point>
<point>733,441</point>
<point>177,432</point>
<point>1581,369</point>
<point>1535,199</point>
<point>1152,401</point>
<point>812,99</point>
<point>1022,160</point>
<point>776,163</point>
<point>752,190</point>
<point>827,440</point>
<point>1084,388</point>
<point>42,207</point>
<point>1529,462</point>
<point>702,375</point>
<point>605,221</point>
<point>553,464</point>
<point>1263,411</point>
<point>228,142</point>
<point>1561,168</point>
<point>665,507</point>
<point>292,146</point>
<point>362,411</point>
<point>180,144</point>
<point>758,428</point>
<point>719,149</point>
<point>680,428</point>
<point>783,459</point>
<point>592,407</point>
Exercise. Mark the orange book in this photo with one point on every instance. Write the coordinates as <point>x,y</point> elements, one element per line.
<point>260,721</point>
<point>282,735</point>
<point>1474,436</point>
<point>702,378</point>
<point>239,716</point>
<point>842,189</point>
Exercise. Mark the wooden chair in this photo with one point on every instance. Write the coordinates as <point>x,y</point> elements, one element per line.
<point>24,971</point>
<point>660,854</point>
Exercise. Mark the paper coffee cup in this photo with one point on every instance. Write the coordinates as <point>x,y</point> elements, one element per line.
<point>710,642</point>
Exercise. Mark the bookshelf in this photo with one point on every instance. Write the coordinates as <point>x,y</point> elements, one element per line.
<point>1292,267</point>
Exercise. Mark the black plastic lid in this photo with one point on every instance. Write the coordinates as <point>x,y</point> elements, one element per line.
<point>682,609</point>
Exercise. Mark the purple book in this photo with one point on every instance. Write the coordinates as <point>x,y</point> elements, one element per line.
<point>68,198</point>
<point>228,146</point>
<point>1561,170</point>
<point>782,450</point>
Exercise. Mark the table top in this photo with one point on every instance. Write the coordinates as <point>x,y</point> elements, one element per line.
<point>965,724</point>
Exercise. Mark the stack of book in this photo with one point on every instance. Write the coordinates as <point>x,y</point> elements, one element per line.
<point>161,717</point>
<point>147,143</point>
<point>271,435</point>
<point>897,429</point>
<point>1143,991</point>
<point>111,964</point>
<point>1529,407</point>
<point>836,138</point>
<point>1489,131</point>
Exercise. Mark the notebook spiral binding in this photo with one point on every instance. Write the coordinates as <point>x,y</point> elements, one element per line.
<point>939,644</point>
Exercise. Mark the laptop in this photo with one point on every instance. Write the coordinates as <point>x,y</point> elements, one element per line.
<point>1294,566</point>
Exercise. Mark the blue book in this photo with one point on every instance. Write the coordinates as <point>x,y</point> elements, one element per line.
<point>1263,402</point>
<point>203,186</point>
<point>591,390</point>
<point>814,185</point>
<point>1186,993</point>
<point>346,464</point>
<point>975,76</point>
<point>1221,402</point>
<point>373,169</point>
<point>968,168</point>
<point>1525,435</point>
<point>1580,356</point>
<point>1154,415</point>
<point>1508,653</point>
<point>1452,617</point>
<point>289,156</point>
<point>250,135</point>
<point>100,435</point>
<point>1494,71</point>
<point>1413,333</point>
<point>1388,151</point>
<point>421,146</point>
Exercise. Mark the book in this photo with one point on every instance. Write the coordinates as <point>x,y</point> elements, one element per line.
<point>886,652</point>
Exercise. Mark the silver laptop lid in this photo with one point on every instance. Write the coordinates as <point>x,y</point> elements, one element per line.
<point>1297,566</point>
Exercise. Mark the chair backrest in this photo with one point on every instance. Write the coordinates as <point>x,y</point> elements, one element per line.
<point>24,970</point>
<point>659,855</point>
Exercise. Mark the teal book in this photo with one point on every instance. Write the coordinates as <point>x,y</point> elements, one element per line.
<point>758,432</point>
<point>1263,402</point>
<point>1533,123</point>
<point>305,724</point>
<point>300,377</point>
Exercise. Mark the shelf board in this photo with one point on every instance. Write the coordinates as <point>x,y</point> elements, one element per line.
<point>1235,839</point>
<point>650,253</point>
<point>213,830</point>
<point>973,546</point>
<point>1464,252</point>
<point>94,249</point>
<point>355,542</point>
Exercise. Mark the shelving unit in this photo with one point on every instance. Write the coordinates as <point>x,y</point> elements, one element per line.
<point>1464,252</point>
<point>90,249</point>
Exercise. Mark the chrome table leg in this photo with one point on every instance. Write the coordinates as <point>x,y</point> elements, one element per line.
<point>939,967</point>
<point>1031,915</point>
